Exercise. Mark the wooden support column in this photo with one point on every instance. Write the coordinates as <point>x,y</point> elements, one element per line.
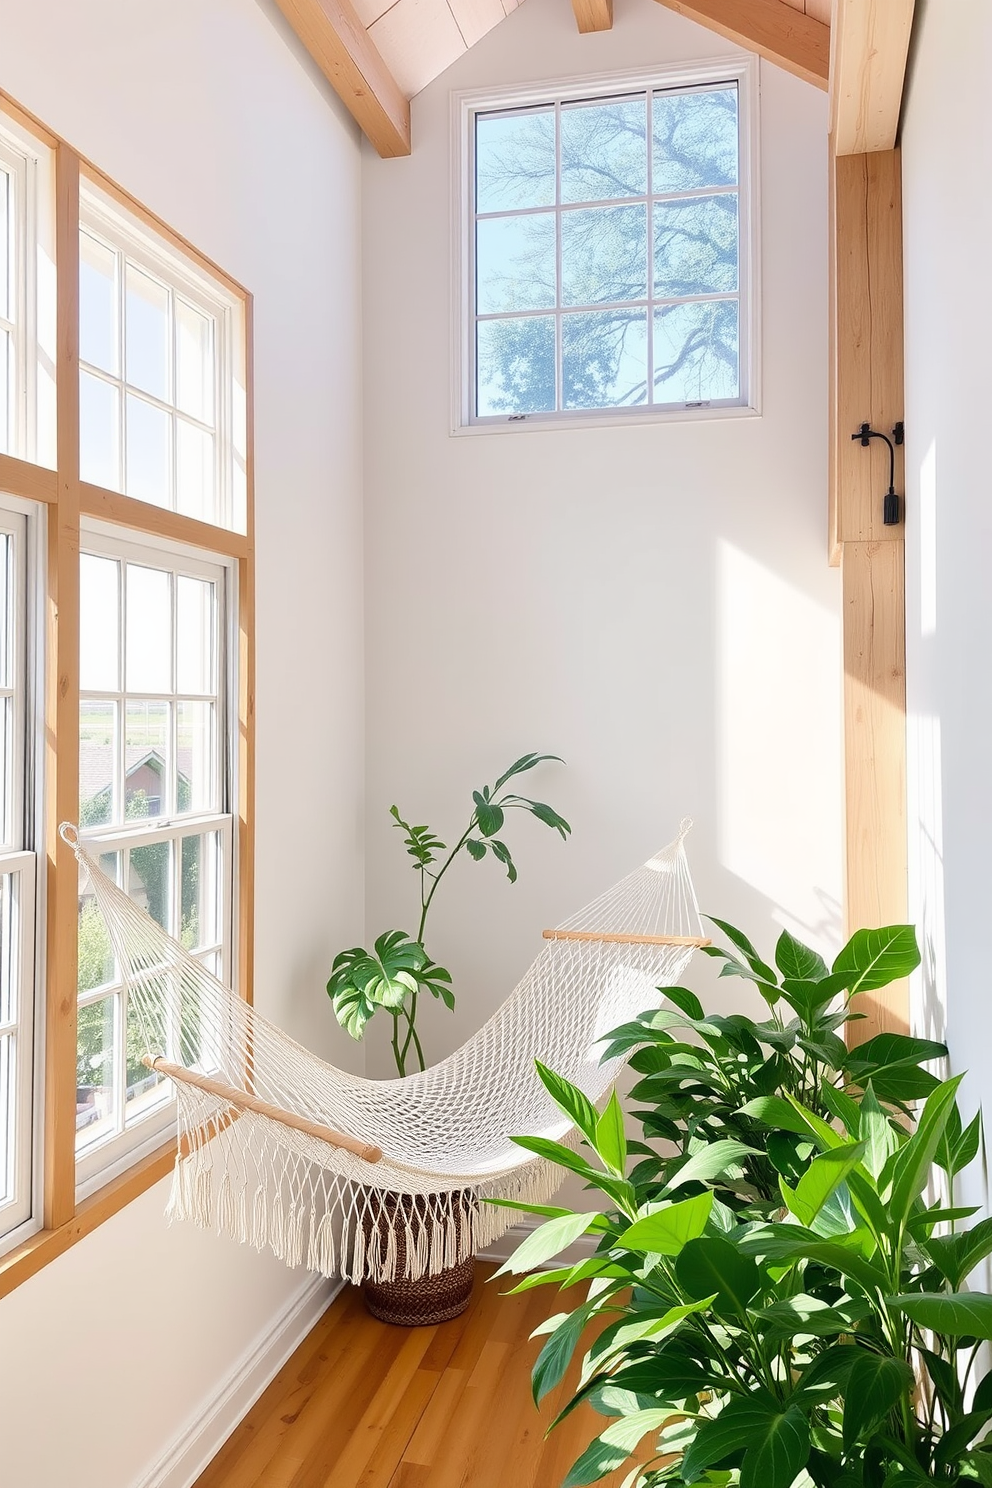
<point>867,385</point>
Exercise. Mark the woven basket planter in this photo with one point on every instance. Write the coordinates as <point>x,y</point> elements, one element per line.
<point>426,1301</point>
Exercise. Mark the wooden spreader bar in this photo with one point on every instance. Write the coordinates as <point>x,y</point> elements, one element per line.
<point>618,939</point>
<point>247,1102</point>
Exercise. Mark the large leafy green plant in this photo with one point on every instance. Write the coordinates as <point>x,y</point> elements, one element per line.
<point>394,974</point>
<point>783,1296</point>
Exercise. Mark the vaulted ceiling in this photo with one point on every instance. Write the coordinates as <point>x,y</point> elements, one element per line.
<point>378,54</point>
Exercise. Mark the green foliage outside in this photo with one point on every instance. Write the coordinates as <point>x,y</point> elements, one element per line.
<point>784,1297</point>
<point>398,969</point>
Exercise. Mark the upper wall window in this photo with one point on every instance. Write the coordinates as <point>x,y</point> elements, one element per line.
<point>161,379</point>
<point>608,262</point>
<point>27,297</point>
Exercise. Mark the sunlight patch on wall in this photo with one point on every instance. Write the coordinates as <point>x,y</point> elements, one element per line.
<point>928,999</point>
<point>778,685</point>
<point>928,542</point>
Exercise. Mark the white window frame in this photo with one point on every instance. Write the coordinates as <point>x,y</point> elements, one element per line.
<point>21,1217</point>
<point>117,230</point>
<point>30,166</point>
<point>738,69</point>
<point>113,1156</point>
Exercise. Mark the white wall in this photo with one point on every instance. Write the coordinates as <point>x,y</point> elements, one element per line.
<point>653,603</point>
<point>204,110</point>
<point>947,155</point>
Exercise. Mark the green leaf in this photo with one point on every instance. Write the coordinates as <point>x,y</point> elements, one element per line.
<point>804,1314</point>
<point>773,1111</point>
<point>685,1000</point>
<point>489,818</point>
<point>876,1131</point>
<point>476,849</point>
<point>613,1447</point>
<point>891,1061</point>
<point>912,1164</point>
<point>710,1162</point>
<point>874,958</point>
<point>502,852</point>
<point>525,762</point>
<point>670,1370</point>
<point>956,1441</point>
<point>945,1382</point>
<point>556,1355</point>
<point>876,1384</point>
<point>956,1256</point>
<point>420,842</point>
<point>776,1443</point>
<point>794,959</point>
<point>547,815</point>
<point>711,1266</point>
<point>759,968</point>
<point>547,1240</point>
<point>610,1138</point>
<point>667,1230</point>
<point>575,1103</point>
<point>820,1179</point>
<point>953,1314</point>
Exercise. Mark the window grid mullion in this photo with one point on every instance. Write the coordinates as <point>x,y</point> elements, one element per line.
<point>559,347</point>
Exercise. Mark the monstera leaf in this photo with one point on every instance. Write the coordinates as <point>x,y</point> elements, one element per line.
<point>397,967</point>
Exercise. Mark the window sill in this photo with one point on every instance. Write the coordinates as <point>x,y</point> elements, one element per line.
<point>557,423</point>
<point>34,1254</point>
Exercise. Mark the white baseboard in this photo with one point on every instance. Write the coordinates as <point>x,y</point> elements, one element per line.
<point>503,1248</point>
<point>202,1438</point>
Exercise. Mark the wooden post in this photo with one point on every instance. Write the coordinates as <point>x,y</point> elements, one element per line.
<point>867,385</point>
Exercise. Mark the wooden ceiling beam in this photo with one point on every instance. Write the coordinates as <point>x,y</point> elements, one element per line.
<point>593,15</point>
<point>787,37</point>
<point>338,42</point>
<point>869,44</point>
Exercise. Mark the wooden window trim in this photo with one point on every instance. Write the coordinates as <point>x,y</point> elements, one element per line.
<point>66,499</point>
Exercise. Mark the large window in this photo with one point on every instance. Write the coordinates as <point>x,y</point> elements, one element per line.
<point>154,804</point>
<point>126,684</point>
<point>608,256</point>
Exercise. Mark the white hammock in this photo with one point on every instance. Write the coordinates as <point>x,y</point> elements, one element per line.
<point>329,1169</point>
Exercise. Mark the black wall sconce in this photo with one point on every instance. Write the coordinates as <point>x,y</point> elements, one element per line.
<point>891,507</point>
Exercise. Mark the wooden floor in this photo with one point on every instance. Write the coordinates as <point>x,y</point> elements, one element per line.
<point>364,1405</point>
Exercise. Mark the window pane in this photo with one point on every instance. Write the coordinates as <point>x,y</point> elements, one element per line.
<point>516,361</point>
<point>96,954</point>
<point>605,358</point>
<point>99,624</point>
<point>6,226</point>
<point>195,472</point>
<point>149,435</point>
<point>695,246</point>
<point>515,160</point>
<point>98,301</point>
<point>8,1118</point>
<point>194,634</point>
<point>146,759</point>
<point>149,880</point>
<point>98,755</point>
<point>144,1089</point>
<point>194,362</point>
<point>515,263</point>
<point>6,386</point>
<point>695,139</point>
<point>200,891</point>
<point>96,1071</point>
<point>7,619</point>
<point>195,757</point>
<point>604,255</point>
<point>148,634</point>
<point>99,432</point>
<point>147,342</point>
<point>696,352</point>
<point>604,150</point>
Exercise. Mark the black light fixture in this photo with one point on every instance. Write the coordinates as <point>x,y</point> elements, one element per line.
<point>891,507</point>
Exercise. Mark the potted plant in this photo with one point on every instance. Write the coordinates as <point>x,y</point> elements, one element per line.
<point>391,978</point>
<point>784,1295</point>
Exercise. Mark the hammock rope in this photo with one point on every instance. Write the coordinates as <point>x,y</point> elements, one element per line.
<point>262,1120</point>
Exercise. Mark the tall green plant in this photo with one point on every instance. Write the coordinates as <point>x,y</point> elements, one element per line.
<point>784,1305</point>
<point>394,974</point>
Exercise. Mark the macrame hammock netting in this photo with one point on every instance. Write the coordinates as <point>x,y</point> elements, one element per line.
<point>371,1179</point>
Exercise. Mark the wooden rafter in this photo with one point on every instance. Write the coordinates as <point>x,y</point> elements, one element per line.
<point>336,39</point>
<point>593,15</point>
<point>787,37</point>
<point>869,42</point>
